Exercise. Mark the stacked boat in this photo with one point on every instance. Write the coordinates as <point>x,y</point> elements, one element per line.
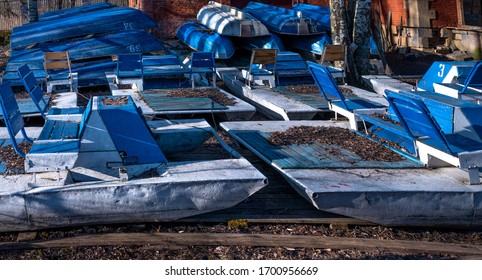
<point>304,27</point>
<point>91,34</point>
<point>217,25</point>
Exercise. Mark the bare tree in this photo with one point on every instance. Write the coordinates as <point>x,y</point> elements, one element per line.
<point>362,34</point>
<point>351,27</point>
<point>24,10</point>
<point>32,10</point>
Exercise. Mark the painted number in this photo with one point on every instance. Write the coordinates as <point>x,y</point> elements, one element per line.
<point>441,72</point>
<point>128,25</point>
<point>134,48</point>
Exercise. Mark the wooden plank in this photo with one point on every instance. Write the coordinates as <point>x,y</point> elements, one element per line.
<point>47,130</point>
<point>250,240</point>
<point>71,130</point>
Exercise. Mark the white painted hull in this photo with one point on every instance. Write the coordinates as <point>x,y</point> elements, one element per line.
<point>395,197</point>
<point>184,189</point>
<point>229,21</point>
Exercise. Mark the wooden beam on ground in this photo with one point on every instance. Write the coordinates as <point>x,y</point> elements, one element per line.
<point>251,240</point>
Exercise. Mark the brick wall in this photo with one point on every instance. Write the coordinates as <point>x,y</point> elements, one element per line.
<point>446,13</point>
<point>170,14</point>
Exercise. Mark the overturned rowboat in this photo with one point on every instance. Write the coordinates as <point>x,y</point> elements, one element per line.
<point>284,21</point>
<point>203,39</point>
<point>110,20</point>
<point>230,21</point>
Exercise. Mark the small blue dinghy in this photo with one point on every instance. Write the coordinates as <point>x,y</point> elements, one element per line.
<point>203,39</point>
<point>284,21</point>
<point>111,20</point>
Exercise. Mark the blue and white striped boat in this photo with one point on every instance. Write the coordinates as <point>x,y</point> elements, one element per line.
<point>203,39</point>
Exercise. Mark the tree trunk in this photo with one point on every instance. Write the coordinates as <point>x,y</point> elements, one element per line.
<point>86,2</point>
<point>341,36</point>
<point>32,11</point>
<point>361,35</point>
<point>24,10</point>
<point>351,8</point>
<point>338,20</point>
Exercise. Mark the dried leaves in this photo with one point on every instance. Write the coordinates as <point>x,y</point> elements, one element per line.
<point>14,164</point>
<point>213,93</point>
<point>115,101</point>
<point>345,139</point>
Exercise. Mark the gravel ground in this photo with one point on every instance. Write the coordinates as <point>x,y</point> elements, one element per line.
<point>242,252</point>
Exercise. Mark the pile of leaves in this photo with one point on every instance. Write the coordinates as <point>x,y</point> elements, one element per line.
<point>115,101</point>
<point>212,93</point>
<point>14,164</point>
<point>341,137</point>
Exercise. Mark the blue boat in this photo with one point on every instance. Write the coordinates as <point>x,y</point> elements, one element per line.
<point>311,43</point>
<point>271,41</point>
<point>203,39</point>
<point>318,13</point>
<point>230,21</point>
<point>49,15</point>
<point>111,20</point>
<point>284,21</point>
<point>93,50</point>
<point>99,46</point>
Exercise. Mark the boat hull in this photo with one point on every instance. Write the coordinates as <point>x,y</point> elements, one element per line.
<point>202,39</point>
<point>230,21</point>
<point>386,196</point>
<point>184,189</point>
<point>283,21</point>
<point>111,20</point>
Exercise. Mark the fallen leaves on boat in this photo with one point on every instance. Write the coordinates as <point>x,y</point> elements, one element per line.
<point>14,164</point>
<point>306,88</point>
<point>115,101</point>
<point>213,93</point>
<point>344,138</point>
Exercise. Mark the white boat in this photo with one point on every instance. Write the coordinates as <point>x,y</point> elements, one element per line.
<point>121,169</point>
<point>230,21</point>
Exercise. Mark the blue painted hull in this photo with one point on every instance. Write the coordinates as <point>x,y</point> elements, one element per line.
<point>283,21</point>
<point>99,46</point>
<point>272,41</point>
<point>76,10</point>
<point>111,20</point>
<point>230,21</point>
<point>319,13</point>
<point>202,39</point>
<point>313,43</point>
<point>446,72</point>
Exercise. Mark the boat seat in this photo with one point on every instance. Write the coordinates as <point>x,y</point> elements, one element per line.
<point>389,131</point>
<point>40,100</point>
<point>58,71</point>
<point>202,63</point>
<point>129,70</point>
<point>335,54</point>
<point>434,146</point>
<point>337,100</point>
<point>158,66</point>
<point>57,145</point>
<point>258,67</point>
